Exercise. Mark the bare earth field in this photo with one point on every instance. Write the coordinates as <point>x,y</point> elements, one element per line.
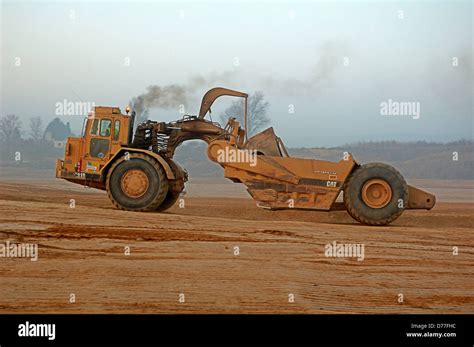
<point>190,250</point>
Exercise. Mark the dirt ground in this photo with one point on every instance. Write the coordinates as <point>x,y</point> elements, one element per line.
<point>191,251</point>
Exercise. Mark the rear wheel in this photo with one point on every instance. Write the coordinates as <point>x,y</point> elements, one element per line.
<point>137,184</point>
<point>375,194</point>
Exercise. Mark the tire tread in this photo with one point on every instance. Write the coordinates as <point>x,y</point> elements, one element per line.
<point>163,181</point>
<point>353,211</point>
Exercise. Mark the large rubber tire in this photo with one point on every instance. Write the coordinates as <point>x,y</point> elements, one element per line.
<point>169,201</point>
<point>360,210</point>
<point>156,189</point>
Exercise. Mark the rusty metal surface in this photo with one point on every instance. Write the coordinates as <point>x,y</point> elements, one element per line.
<point>419,199</point>
<point>277,182</point>
<point>265,142</point>
<point>209,98</point>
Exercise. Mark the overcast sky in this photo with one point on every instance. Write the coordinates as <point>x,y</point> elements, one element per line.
<point>334,63</point>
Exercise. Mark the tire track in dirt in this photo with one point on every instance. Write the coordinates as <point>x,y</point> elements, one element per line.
<point>191,251</point>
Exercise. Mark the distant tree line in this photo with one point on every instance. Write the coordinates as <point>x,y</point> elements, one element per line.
<point>11,128</point>
<point>20,145</point>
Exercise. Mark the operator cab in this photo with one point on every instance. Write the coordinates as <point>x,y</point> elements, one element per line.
<point>104,132</point>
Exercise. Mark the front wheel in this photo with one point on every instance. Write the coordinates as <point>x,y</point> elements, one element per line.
<point>137,184</point>
<point>375,194</point>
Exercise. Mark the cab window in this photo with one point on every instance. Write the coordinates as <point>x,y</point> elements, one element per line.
<point>116,130</point>
<point>105,125</point>
<point>95,127</point>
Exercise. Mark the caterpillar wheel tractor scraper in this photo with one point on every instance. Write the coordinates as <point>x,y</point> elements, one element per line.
<point>137,169</point>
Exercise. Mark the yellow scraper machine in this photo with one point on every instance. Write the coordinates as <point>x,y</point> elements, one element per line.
<point>139,174</point>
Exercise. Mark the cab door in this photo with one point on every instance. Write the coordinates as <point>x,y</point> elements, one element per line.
<point>116,134</point>
<point>98,145</point>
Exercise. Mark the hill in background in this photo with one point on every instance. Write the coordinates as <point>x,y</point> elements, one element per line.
<point>412,159</point>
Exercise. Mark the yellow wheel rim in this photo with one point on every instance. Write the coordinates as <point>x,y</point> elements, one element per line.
<point>376,193</point>
<point>134,183</point>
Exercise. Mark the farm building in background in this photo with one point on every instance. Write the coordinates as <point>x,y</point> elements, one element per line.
<point>57,133</point>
